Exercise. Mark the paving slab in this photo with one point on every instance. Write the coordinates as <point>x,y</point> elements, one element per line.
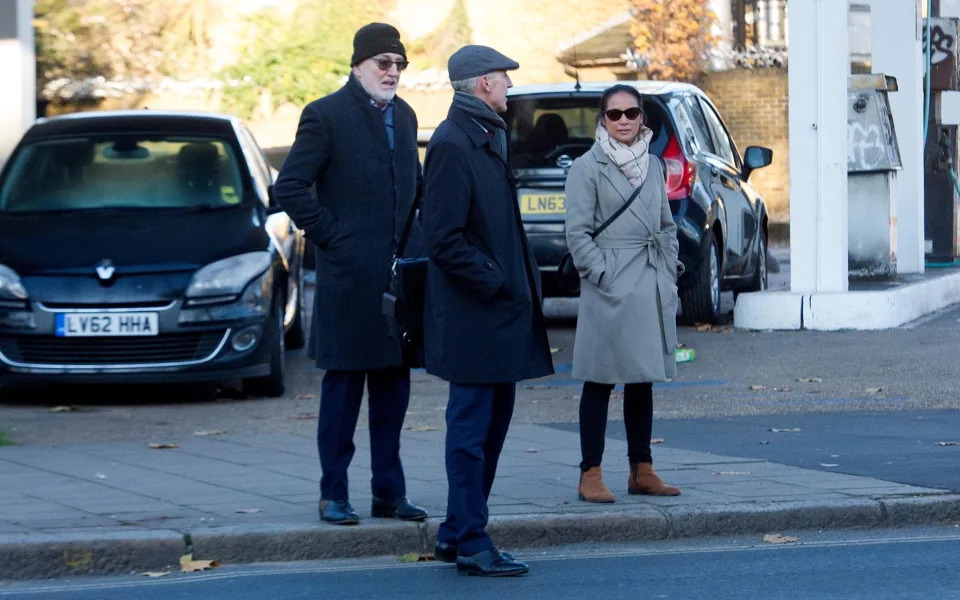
<point>113,508</point>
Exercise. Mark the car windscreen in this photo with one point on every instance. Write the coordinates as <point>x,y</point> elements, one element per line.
<point>543,129</point>
<point>121,171</point>
<point>547,131</point>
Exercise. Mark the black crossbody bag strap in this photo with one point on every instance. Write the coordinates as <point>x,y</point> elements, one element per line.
<point>407,226</point>
<point>619,212</point>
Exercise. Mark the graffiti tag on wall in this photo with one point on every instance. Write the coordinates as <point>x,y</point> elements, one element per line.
<point>944,44</point>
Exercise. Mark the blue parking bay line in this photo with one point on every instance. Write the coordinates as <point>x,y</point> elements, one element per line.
<point>560,382</point>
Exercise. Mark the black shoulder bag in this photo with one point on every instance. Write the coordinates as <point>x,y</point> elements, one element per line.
<point>403,301</point>
<point>567,275</point>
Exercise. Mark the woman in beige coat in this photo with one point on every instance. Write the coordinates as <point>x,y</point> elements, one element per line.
<point>626,327</point>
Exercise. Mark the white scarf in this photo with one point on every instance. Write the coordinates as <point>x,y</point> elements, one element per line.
<point>633,160</point>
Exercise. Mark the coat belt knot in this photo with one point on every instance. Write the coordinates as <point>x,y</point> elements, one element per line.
<point>657,256</point>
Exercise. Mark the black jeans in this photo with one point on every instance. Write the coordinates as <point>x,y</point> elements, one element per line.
<point>637,418</point>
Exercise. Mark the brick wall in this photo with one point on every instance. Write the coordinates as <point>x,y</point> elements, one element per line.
<point>753,105</point>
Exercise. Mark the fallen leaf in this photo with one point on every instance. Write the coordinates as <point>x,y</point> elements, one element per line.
<point>156,573</point>
<point>776,538</point>
<point>704,327</point>
<point>305,416</point>
<point>757,388</point>
<point>948,443</point>
<point>306,396</point>
<point>533,450</point>
<point>162,446</point>
<point>188,565</point>
<point>57,409</point>
<point>656,440</point>
<point>414,557</point>
<point>829,465</point>
<point>810,379</point>
<point>211,432</point>
<point>731,472</point>
<point>873,390</point>
<point>422,428</point>
<point>788,430</point>
<point>248,511</point>
<point>725,329</point>
<point>100,476</point>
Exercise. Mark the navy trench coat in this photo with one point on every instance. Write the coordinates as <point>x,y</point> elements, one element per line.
<point>483,322</point>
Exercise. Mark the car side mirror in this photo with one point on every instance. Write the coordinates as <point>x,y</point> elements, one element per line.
<point>755,157</point>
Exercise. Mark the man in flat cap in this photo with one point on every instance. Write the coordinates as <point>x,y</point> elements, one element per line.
<point>358,147</point>
<point>483,323</point>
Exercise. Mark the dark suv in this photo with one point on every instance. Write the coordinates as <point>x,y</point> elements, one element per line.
<point>721,220</point>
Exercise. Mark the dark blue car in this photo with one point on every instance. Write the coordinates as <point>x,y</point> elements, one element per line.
<point>721,220</point>
<point>143,246</point>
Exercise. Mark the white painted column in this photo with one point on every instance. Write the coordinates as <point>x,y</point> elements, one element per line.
<point>18,106</point>
<point>762,23</point>
<point>897,51</point>
<point>818,145</point>
<point>774,18</point>
<point>722,29</point>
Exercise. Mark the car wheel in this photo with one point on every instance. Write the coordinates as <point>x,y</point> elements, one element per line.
<point>701,298</point>
<point>271,385</point>
<point>296,336</point>
<point>759,281</point>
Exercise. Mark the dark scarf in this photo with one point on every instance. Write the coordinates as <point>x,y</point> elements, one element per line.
<point>478,110</point>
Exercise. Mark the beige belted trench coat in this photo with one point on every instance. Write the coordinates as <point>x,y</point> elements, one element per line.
<point>626,325</point>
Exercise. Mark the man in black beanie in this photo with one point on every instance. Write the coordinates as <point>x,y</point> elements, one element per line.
<point>358,147</point>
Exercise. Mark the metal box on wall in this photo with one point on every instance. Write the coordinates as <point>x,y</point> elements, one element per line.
<point>873,160</point>
<point>944,66</point>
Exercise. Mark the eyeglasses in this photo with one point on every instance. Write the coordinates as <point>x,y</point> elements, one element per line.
<point>384,64</point>
<point>614,114</point>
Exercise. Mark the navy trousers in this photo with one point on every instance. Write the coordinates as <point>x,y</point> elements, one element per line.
<point>341,394</point>
<point>478,417</point>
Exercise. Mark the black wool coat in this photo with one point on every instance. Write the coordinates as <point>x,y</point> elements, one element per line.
<point>483,321</point>
<point>363,194</point>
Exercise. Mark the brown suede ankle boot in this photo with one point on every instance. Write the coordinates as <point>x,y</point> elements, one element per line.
<point>644,481</point>
<point>592,488</point>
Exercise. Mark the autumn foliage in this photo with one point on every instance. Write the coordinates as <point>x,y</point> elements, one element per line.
<point>672,37</point>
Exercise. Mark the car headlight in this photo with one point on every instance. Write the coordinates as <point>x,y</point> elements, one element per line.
<point>225,280</point>
<point>12,292</point>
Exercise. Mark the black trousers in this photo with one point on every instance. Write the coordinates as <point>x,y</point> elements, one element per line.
<point>341,394</point>
<point>478,417</point>
<point>637,418</point>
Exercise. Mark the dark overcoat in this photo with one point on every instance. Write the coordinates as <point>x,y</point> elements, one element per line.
<point>363,194</point>
<point>483,321</point>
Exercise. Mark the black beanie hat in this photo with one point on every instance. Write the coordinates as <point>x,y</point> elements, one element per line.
<point>373,39</point>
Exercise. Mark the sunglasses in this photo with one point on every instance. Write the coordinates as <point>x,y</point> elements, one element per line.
<point>614,114</point>
<point>384,64</point>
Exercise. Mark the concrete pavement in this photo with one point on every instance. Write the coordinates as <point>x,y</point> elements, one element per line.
<point>123,507</point>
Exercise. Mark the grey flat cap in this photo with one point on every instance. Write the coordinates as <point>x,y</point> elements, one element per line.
<point>474,61</point>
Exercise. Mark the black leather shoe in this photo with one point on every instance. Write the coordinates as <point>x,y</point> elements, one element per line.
<point>401,508</point>
<point>490,563</point>
<point>338,512</point>
<point>447,553</point>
